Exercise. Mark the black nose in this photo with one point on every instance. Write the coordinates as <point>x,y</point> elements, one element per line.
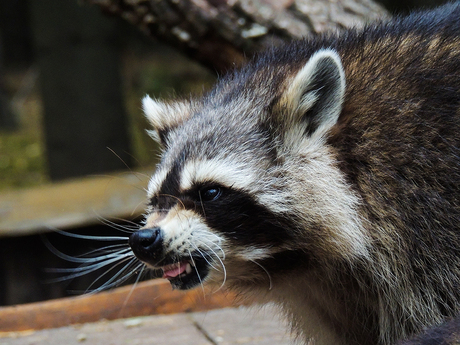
<point>147,245</point>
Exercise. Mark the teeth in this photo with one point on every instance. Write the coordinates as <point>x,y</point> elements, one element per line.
<point>171,266</point>
<point>192,263</point>
<point>188,268</point>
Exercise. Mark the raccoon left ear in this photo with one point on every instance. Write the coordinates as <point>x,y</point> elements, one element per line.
<point>164,116</point>
<point>313,99</point>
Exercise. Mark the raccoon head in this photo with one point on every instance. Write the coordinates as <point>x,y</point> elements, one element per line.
<point>247,189</point>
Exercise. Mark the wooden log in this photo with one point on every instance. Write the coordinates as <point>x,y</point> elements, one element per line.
<point>146,298</point>
<point>221,34</point>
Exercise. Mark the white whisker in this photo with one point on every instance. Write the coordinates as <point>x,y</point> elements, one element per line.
<point>113,281</point>
<point>106,250</point>
<point>268,274</point>
<point>139,275</point>
<point>97,261</point>
<point>221,264</point>
<point>89,237</point>
<point>197,273</point>
<point>123,228</point>
<point>94,238</point>
<point>204,256</point>
<point>91,268</point>
<point>82,260</point>
<point>203,234</point>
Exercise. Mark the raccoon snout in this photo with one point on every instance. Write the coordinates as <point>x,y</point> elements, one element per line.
<point>147,245</point>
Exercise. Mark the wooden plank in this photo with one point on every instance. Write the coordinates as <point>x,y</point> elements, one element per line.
<point>228,326</point>
<point>74,203</point>
<point>154,330</point>
<point>146,298</point>
<point>254,326</point>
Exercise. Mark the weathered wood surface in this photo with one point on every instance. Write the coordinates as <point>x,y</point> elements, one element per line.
<point>147,298</point>
<point>73,203</point>
<point>222,33</point>
<point>224,326</point>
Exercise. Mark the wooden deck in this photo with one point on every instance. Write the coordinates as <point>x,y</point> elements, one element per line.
<point>222,326</point>
<point>180,319</point>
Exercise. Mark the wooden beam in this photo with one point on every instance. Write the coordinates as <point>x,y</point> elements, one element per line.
<point>75,203</point>
<point>146,298</point>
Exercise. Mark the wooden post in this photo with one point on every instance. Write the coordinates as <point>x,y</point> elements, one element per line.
<point>7,119</point>
<point>78,57</point>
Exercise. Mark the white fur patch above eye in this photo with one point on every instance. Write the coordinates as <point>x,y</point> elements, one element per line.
<point>226,173</point>
<point>156,181</point>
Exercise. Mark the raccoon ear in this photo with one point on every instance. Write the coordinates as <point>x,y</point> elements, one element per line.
<point>164,116</point>
<point>313,99</point>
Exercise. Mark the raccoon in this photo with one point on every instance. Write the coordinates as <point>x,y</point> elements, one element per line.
<point>324,177</point>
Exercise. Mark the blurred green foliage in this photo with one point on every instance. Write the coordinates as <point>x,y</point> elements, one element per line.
<point>22,162</point>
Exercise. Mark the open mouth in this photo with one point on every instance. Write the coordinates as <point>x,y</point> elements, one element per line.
<point>186,274</point>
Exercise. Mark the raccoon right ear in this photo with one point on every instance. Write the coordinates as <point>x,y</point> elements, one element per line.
<point>313,100</point>
<point>164,116</point>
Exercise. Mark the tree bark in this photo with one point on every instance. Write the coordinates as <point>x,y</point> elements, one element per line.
<point>221,34</point>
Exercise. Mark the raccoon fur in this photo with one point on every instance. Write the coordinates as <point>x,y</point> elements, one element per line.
<point>323,177</point>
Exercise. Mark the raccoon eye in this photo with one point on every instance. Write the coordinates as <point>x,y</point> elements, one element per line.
<point>210,194</point>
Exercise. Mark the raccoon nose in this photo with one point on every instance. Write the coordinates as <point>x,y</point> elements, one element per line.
<point>147,245</point>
